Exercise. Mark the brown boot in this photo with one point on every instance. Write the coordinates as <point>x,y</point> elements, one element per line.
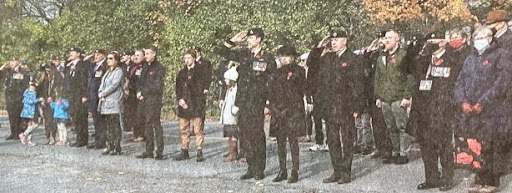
<point>233,151</point>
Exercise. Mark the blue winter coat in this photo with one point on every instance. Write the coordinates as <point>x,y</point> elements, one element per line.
<point>485,79</point>
<point>60,111</point>
<point>29,104</point>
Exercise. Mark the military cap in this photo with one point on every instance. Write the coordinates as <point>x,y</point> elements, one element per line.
<point>15,58</point>
<point>496,16</point>
<point>100,51</point>
<point>75,50</point>
<point>435,35</point>
<point>54,57</point>
<point>258,32</point>
<point>338,33</point>
<point>128,52</point>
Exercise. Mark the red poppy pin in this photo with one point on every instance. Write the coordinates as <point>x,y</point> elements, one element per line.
<point>420,53</point>
<point>393,60</point>
<point>344,64</point>
<point>290,74</point>
<point>258,56</point>
<point>486,63</point>
<point>151,73</point>
<point>439,62</point>
<point>199,62</point>
<point>189,77</point>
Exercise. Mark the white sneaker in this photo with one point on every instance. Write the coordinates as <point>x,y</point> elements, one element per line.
<point>325,148</point>
<point>316,147</point>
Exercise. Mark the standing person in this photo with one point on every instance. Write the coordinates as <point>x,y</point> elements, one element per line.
<point>16,81</point>
<point>393,90</point>
<point>308,100</point>
<point>440,66</point>
<point>229,112</point>
<point>205,67</point>
<point>497,21</point>
<point>76,77</point>
<point>480,90</point>
<point>150,88</point>
<point>256,66</point>
<point>96,72</point>
<point>189,92</point>
<point>60,114</point>
<point>129,111</point>
<point>29,114</point>
<point>134,118</point>
<point>341,76</point>
<point>317,92</point>
<point>288,87</point>
<point>51,79</point>
<point>110,96</point>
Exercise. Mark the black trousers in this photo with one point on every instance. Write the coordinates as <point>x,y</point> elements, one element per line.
<point>437,149</point>
<point>131,115</point>
<point>154,130</point>
<point>317,121</point>
<point>253,141</point>
<point>113,126</point>
<point>79,118</point>
<point>50,127</point>
<point>338,132</point>
<point>380,133</point>
<point>100,132</point>
<point>14,111</point>
<point>291,135</point>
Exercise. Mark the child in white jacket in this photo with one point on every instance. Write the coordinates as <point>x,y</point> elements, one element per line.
<point>229,114</point>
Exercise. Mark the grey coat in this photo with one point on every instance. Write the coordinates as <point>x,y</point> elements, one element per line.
<point>111,89</point>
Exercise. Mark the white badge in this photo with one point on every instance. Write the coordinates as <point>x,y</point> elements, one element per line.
<point>426,85</point>
<point>441,72</point>
<point>98,74</point>
<point>138,72</point>
<point>17,76</point>
<point>260,66</point>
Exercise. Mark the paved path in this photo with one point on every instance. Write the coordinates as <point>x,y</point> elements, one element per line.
<point>65,169</point>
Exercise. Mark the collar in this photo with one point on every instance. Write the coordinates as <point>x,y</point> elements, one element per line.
<point>191,67</point>
<point>198,58</point>
<point>342,52</point>
<point>101,62</point>
<point>440,54</point>
<point>255,52</point>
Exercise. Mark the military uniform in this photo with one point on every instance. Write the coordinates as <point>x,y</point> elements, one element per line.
<point>76,89</point>
<point>133,116</point>
<point>254,73</point>
<point>95,74</point>
<point>16,81</point>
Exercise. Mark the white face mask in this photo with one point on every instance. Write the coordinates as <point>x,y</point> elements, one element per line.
<point>481,45</point>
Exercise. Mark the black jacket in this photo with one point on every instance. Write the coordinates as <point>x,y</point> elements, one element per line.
<point>189,87</point>
<point>151,83</point>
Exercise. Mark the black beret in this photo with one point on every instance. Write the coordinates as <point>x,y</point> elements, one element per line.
<point>258,32</point>
<point>338,33</point>
<point>100,51</point>
<point>128,52</point>
<point>15,58</point>
<point>75,50</point>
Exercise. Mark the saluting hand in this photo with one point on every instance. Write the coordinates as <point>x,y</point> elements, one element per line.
<point>240,36</point>
<point>324,42</point>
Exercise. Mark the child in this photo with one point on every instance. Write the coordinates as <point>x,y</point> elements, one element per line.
<point>229,112</point>
<point>28,114</point>
<point>60,115</point>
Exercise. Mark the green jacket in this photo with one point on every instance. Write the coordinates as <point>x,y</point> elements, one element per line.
<point>391,82</point>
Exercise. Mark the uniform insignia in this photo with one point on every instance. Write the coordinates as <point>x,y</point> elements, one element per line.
<point>189,77</point>
<point>344,64</point>
<point>485,63</point>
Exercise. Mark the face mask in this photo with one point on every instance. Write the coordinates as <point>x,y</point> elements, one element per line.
<point>456,44</point>
<point>481,45</point>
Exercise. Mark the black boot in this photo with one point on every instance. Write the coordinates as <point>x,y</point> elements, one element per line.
<point>183,155</point>
<point>200,157</point>
<point>283,175</point>
<point>248,175</point>
<point>294,176</point>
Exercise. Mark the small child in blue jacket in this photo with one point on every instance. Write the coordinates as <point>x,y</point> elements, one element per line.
<point>28,114</point>
<point>60,115</point>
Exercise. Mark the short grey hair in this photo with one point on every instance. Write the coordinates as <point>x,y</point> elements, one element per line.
<point>483,30</point>
<point>461,32</point>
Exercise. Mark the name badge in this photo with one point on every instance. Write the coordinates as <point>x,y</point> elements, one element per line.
<point>138,72</point>
<point>98,74</point>
<point>259,66</point>
<point>425,85</point>
<point>17,76</point>
<point>441,72</point>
